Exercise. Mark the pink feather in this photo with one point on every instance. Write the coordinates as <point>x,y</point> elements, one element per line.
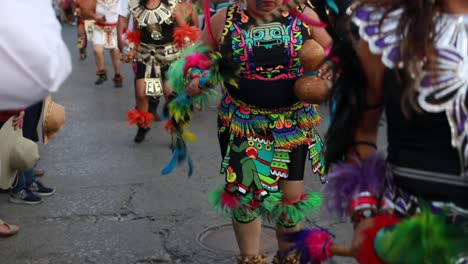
<point>197,60</point>
<point>230,200</point>
<point>315,245</point>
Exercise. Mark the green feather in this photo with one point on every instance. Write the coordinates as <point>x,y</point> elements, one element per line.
<point>289,215</point>
<point>176,70</point>
<point>426,238</point>
<point>241,213</point>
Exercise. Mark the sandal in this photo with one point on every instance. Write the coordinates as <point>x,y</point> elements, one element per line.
<point>83,55</point>
<point>12,229</point>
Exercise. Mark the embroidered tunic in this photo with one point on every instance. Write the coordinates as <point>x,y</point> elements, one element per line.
<point>264,129</point>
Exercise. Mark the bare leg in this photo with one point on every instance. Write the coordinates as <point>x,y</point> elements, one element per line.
<point>115,55</point>
<point>99,56</point>
<point>292,191</point>
<point>140,96</point>
<point>82,41</point>
<point>248,236</point>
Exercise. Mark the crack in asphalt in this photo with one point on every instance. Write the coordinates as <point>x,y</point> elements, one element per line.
<point>128,203</point>
<point>96,218</point>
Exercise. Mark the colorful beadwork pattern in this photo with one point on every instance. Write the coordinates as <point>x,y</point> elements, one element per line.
<point>272,35</point>
<point>286,129</point>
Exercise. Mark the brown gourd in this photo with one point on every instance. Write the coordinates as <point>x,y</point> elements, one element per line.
<point>312,89</point>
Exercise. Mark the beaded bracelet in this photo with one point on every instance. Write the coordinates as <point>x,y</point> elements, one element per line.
<point>363,206</point>
<point>203,75</point>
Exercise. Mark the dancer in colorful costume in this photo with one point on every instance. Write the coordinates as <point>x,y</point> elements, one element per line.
<point>265,132</point>
<point>155,44</point>
<point>412,208</point>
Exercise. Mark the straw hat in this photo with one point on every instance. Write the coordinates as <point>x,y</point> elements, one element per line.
<point>16,153</point>
<point>53,118</point>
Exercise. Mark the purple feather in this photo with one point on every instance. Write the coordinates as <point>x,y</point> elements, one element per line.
<point>347,180</point>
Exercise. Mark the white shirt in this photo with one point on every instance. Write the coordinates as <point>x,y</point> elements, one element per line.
<point>123,8</point>
<point>109,9</point>
<point>124,11</point>
<point>33,56</point>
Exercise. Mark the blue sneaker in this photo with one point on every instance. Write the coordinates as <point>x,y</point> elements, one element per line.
<point>39,189</point>
<point>24,196</point>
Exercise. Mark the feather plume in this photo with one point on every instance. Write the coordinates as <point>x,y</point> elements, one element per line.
<point>425,238</point>
<point>347,180</point>
<point>313,245</point>
<point>185,35</point>
<point>132,36</point>
<point>367,253</point>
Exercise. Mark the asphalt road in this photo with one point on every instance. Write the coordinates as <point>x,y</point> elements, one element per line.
<point>112,205</point>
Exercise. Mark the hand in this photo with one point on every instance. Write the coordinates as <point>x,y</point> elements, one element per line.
<point>359,237</point>
<point>100,18</point>
<point>193,89</point>
<point>121,44</point>
<point>129,56</point>
<point>325,71</point>
<point>18,121</point>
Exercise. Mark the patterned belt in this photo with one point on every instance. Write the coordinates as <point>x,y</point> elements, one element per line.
<point>106,27</point>
<point>151,54</point>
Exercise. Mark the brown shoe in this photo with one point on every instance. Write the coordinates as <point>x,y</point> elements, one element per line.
<point>118,80</point>
<point>257,259</point>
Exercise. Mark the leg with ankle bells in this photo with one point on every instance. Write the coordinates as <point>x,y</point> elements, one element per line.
<point>292,191</point>
<point>248,236</point>
<point>99,56</point>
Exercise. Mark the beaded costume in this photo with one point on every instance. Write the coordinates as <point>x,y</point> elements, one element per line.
<point>265,132</point>
<point>155,51</point>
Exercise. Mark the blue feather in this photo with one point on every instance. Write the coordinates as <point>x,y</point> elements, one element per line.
<point>172,164</point>
<point>333,6</point>
<point>190,165</point>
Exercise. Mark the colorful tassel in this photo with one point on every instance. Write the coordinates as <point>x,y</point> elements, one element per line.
<point>195,59</point>
<point>347,180</point>
<point>313,245</point>
<point>179,154</point>
<point>426,238</point>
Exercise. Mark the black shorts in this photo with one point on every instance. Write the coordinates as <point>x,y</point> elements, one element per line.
<point>141,69</point>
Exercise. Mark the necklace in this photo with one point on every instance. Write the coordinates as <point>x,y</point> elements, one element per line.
<point>159,15</point>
